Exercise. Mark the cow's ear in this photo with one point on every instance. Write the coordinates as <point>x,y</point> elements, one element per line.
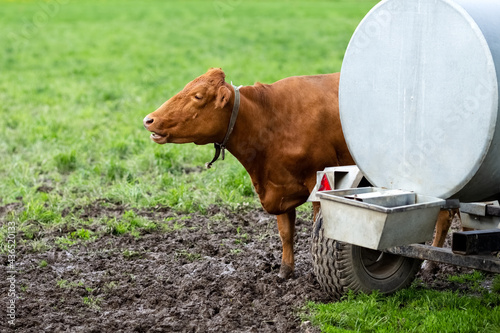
<point>223,96</point>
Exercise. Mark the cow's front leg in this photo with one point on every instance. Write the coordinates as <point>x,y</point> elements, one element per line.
<point>286,227</point>
<point>443,224</point>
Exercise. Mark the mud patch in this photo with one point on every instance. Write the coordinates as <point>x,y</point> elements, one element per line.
<point>214,273</point>
<point>200,273</point>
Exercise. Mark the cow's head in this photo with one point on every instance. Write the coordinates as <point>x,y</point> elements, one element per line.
<point>199,113</point>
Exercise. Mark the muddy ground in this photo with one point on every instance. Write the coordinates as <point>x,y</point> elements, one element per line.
<point>204,273</point>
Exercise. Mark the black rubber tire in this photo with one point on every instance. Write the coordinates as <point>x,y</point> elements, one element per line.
<point>340,266</point>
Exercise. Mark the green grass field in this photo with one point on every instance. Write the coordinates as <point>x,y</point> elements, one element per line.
<point>77,78</point>
<point>415,309</point>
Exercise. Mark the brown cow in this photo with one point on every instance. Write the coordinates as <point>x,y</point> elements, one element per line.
<point>283,134</point>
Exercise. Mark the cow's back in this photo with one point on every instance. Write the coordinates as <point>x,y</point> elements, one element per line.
<point>311,130</point>
<point>299,119</point>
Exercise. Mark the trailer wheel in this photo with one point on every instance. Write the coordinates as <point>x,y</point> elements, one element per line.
<point>340,266</point>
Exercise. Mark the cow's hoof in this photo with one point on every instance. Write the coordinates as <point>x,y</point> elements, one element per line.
<point>429,271</point>
<point>286,271</point>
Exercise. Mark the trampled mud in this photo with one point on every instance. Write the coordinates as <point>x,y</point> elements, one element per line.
<point>200,273</point>
<point>213,273</point>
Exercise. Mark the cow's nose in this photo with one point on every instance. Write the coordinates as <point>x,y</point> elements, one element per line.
<point>147,121</point>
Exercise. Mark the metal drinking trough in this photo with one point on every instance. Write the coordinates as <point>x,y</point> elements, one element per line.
<point>419,106</point>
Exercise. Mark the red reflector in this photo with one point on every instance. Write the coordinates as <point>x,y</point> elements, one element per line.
<point>325,184</point>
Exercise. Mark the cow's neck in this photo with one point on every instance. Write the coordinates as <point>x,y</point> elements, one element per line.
<point>251,137</point>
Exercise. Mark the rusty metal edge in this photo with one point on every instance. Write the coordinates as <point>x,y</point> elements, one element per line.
<point>487,263</point>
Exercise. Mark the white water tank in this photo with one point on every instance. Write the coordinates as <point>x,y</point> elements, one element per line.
<point>419,97</point>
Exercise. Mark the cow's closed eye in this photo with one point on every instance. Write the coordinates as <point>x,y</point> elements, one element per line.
<point>198,96</point>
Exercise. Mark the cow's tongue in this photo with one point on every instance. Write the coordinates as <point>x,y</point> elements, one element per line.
<point>156,135</point>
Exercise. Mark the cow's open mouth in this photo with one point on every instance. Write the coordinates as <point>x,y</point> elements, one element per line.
<point>156,136</point>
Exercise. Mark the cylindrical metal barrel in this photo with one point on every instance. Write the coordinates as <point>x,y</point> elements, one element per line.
<point>419,97</point>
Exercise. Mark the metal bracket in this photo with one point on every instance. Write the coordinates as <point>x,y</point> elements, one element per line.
<point>425,252</point>
<point>480,215</point>
<point>451,204</point>
<point>489,208</point>
<point>476,241</point>
<point>493,210</point>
